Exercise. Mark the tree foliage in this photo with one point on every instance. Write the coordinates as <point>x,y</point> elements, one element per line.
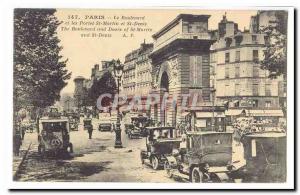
<point>105,84</point>
<point>275,56</point>
<point>39,70</point>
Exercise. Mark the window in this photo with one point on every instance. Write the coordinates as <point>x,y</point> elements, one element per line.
<point>227,57</point>
<point>212,70</point>
<point>268,89</point>
<point>237,72</point>
<point>255,55</point>
<point>237,56</point>
<point>226,72</point>
<point>196,70</point>
<point>185,27</point>
<point>256,71</point>
<point>267,40</point>
<point>254,39</point>
<point>228,41</point>
<point>255,89</point>
<point>237,89</point>
<point>268,104</point>
<point>227,91</point>
<point>255,103</point>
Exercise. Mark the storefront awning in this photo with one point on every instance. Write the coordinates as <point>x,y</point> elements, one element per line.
<point>236,112</point>
<point>278,113</point>
<point>209,114</point>
<point>233,112</point>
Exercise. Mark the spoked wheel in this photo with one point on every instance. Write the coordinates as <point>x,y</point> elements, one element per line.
<point>196,175</point>
<point>154,161</point>
<point>168,169</point>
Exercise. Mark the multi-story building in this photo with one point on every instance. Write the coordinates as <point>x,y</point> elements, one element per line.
<point>137,78</point>
<point>143,71</point>
<point>129,74</point>
<point>239,81</point>
<point>180,61</point>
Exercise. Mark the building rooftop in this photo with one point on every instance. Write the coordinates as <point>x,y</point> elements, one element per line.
<point>189,17</point>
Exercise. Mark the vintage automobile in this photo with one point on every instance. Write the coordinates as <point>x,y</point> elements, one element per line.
<point>137,127</point>
<point>206,158</point>
<point>160,143</point>
<point>54,136</point>
<point>265,155</point>
<point>52,112</point>
<point>105,123</point>
<point>127,120</point>
<point>73,121</point>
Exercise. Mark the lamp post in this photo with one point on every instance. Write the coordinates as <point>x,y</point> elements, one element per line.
<point>118,71</point>
<point>213,122</point>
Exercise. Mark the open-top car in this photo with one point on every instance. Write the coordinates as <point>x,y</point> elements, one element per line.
<point>54,136</point>
<point>160,144</point>
<point>206,158</point>
<point>265,157</point>
<point>105,122</point>
<point>137,127</point>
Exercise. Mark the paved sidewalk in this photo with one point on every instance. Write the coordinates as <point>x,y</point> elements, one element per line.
<point>25,147</point>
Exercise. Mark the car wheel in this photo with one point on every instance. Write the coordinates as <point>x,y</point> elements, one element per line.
<point>168,169</point>
<point>196,175</point>
<point>42,151</point>
<point>154,162</point>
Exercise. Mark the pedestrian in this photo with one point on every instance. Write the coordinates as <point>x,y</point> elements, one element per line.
<point>90,131</point>
<point>23,131</point>
<point>113,129</point>
<point>17,142</point>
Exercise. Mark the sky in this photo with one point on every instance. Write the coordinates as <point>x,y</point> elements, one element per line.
<point>82,53</point>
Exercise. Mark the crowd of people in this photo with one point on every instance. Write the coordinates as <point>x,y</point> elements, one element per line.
<point>244,125</point>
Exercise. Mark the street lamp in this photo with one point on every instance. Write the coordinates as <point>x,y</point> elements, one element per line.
<point>213,122</point>
<point>118,71</point>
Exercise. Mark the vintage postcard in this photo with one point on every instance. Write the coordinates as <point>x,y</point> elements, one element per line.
<point>162,96</point>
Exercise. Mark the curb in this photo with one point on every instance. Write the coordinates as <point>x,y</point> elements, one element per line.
<point>15,175</point>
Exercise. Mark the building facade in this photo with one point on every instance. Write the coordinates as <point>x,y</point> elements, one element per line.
<point>129,74</point>
<point>238,79</point>
<point>137,77</point>
<point>80,92</point>
<point>180,61</point>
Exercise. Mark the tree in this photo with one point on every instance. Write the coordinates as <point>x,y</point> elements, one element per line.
<point>106,84</point>
<point>39,70</point>
<point>275,57</point>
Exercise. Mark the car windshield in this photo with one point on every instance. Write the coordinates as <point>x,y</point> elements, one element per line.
<point>54,126</point>
<point>165,133</point>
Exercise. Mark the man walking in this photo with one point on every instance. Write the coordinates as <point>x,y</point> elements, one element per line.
<point>90,130</point>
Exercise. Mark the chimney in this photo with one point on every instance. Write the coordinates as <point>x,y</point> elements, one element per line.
<point>96,67</point>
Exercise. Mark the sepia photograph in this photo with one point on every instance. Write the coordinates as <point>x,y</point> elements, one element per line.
<point>169,95</point>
